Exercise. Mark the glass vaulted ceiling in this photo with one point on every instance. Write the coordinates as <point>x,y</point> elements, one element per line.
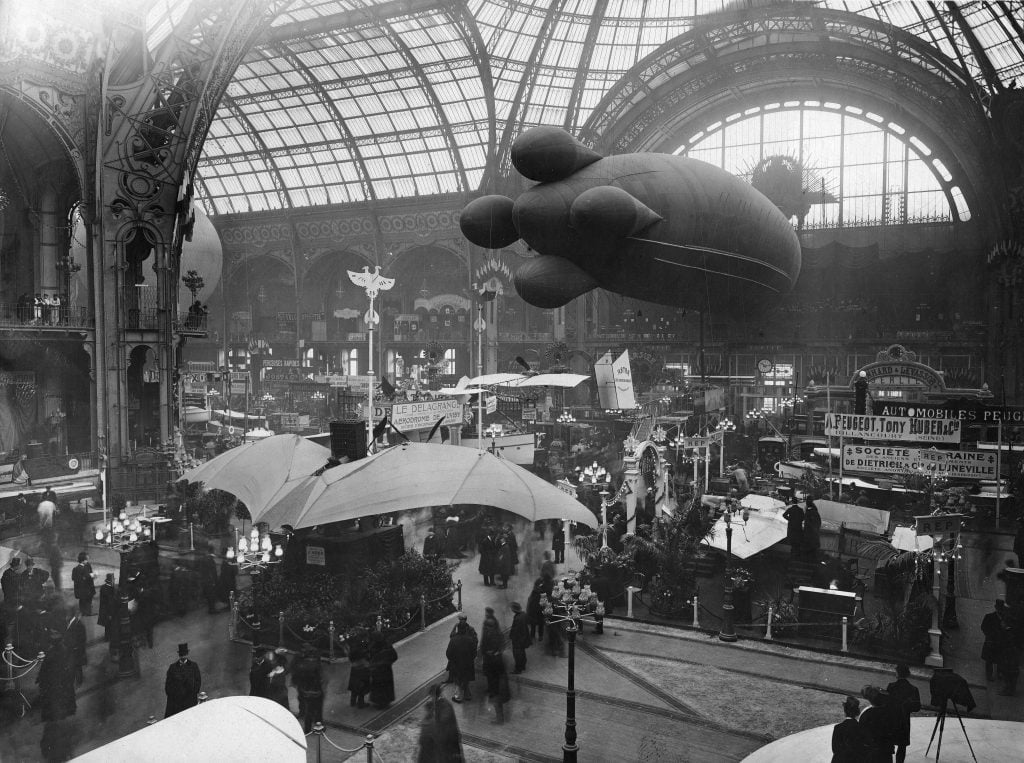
<point>353,100</point>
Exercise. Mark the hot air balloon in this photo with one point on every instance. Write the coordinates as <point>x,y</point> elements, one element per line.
<point>662,228</point>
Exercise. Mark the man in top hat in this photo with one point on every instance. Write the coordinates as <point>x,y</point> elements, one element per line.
<point>519,635</point>
<point>82,577</point>
<point>182,684</point>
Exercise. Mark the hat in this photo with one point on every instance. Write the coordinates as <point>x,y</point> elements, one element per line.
<point>110,577</point>
<point>515,606</point>
<point>489,611</point>
<point>82,556</point>
<point>16,561</point>
<point>183,650</point>
<point>463,616</point>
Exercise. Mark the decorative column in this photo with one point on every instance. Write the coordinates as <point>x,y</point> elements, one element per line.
<point>631,477</point>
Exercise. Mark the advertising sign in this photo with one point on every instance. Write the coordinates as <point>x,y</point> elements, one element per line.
<point>939,524</point>
<point>316,555</point>
<point>492,404</point>
<point>615,382</point>
<point>896,459</point>
<point>903,429</point>
<point>970,411</point>
<point>409,417</point>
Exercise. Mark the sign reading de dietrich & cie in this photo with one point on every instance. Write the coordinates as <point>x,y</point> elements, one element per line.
<point>898,459</point>
<point>903,429</point>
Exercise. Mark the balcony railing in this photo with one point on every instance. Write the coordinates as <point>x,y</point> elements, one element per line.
<point>60,316</point>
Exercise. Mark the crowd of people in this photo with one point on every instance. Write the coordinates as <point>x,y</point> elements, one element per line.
<point>874,734</point>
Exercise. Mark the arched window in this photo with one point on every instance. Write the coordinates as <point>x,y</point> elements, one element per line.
<point>350,361</point>
<point>853,168</point>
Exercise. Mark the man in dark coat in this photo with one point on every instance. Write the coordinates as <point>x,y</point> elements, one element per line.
<point>182,684</point>
<point>504,565</point>
<point>108,606</point>
<point>10,583</point>
<point>440,741</point>
<point>74,641</point>
<point>32,581</point>
<point>227,580</point>
<point>847,737</point>
<point>558,542</point>
<point>534,608</point>
<point>995,633</point>
<point>794,515</point>
<point>208,579</point>
<point>812,532</point>
<point>488,548</point>
<point>519,636</point>
<point>904,699</point>
<point>259,675</point>
<point>431,545</point>
<point>83,579</point>
<point>178,588</point>
<point>307,678</point>
<point>461,654</point>
<point>56,681</point>
<point>144,617</point>
<point>876,723</point>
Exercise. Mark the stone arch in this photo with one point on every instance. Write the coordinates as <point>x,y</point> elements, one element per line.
<point>327,290</point>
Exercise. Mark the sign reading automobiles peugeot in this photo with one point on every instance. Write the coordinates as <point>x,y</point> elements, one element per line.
<point>409,417</point>
<point>896,459</point>
<point>902,429</point>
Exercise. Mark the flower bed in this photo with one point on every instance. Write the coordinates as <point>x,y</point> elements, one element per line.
<point>388,596</point>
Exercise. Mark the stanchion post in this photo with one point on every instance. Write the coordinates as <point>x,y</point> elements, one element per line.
<point>696,612</point>
<point>768,628</point>
<point>369,748</point>
<point>318,730</point>
<point>846,647</point>
<point>233,621</point>
<point>191,538</point>
<point>458,591</point>
<point>202,697</point>
<point>379,625</point>
<point>280,628</point>
<point>330,636</point>
<point>423,612</point>
<point>630,590</point>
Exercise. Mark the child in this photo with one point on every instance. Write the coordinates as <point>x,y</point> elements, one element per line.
<point>359,676</point>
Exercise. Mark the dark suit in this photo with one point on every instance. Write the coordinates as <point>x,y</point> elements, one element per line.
<point>848,742</point>
<point>992,627</point>
<point>108,609</point>
<point>182,686</point>
<point>876,723</point>
<point>905,699</point>
<point>85,588</point>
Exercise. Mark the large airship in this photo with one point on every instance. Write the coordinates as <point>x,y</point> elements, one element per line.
<point>662,228</point>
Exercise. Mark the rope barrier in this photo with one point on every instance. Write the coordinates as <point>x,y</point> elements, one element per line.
<point>342,749</point>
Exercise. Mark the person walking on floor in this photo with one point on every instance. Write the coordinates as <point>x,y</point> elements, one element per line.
<point>492,644</point>
<point>84,581</point>
<point>519,636</point>
<point>794,515</point>
<point>108,606</point>
<point>359,675</point>
<point>905,699</point>
<point>308,680</point>
<point>534,610</point>
<point>558,542</point>
<point>487,545</point>
<point>847,737</point>
<point>461,654</point>
<point>994,632</point>
<point>876,722</point>
<point>382,677</point>
<point>277,677</point>
<point>182,684</point>
<point>504,565</point>
<point>440,741</point>
<point>812,532</point>
<point>259,675</point>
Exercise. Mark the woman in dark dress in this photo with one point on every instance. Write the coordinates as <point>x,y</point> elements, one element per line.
<point>382,679</point>
<point>812,531</point>
<point>794,516</point>
<point>492,644</point>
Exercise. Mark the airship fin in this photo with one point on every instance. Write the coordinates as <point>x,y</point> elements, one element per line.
<point>487,222</point>
<point>545,154</point>
<point>550,282</point>
<point>608,210</point>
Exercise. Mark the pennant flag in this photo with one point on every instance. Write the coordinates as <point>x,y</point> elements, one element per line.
<point>433,430</point>
<point>398,431</point>
<point>386,387</point>
<point>381,427</point>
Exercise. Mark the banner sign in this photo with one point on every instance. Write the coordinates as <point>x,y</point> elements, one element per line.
<point>901,428</point>
<point>281,363</point>
<point>316,555</point>
<point>409,417</point>
<point>355,383</point>
<point>939,524</point>
<point>895,459</point>
<point>615,382</point>
<point>969,411</point>
<point>492,404</point>
<point>703,442</point>
<point>566,487</point>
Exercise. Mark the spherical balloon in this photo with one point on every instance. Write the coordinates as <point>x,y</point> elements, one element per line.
<point>487,222</point>
<point>203,254</point>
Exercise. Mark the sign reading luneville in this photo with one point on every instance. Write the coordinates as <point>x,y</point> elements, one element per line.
<point>902,429</point>
<point>897,459</point>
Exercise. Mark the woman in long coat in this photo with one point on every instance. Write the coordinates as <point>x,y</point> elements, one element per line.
<point>440,741</point>
<point>488,548</point>
<point>505,564</point>
<point>382,679</point>
<point>492,644</point>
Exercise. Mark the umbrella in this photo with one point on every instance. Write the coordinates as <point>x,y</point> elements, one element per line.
<point>256,472</point>
<point>414,475</point>
<point>758,532</point>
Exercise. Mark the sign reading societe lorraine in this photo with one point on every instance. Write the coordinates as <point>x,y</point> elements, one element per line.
<point>898,459</point>
<point>902,429</point>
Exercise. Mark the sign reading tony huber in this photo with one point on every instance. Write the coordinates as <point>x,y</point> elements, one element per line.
<point>899,459</point>
<point>902,429</point>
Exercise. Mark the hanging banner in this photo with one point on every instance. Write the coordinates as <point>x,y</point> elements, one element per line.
<point>409,417</point>
<point>902,429</point>
<point>895,459</point>
<point>491,405</point>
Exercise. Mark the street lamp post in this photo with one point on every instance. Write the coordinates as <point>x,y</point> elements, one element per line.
<point>595,476</point>
<point>373,283</point>
<point>483,295</point>
<point>571,604</point>
<point>123,536</point>
<point>253,555</point>
<point>728,632</point>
